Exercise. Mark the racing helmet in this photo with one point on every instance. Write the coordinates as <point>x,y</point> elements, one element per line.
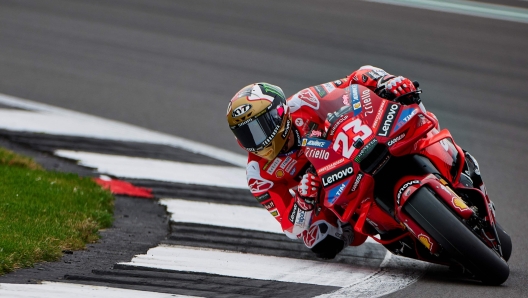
<point>259,117</point>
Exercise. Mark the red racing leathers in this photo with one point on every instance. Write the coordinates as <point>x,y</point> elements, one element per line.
<point>270,181</point>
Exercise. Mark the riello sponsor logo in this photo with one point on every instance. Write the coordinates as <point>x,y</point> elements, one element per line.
<point>317,153</point>
<point>337,175</point>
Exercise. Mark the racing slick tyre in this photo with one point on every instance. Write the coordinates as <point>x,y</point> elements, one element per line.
<point>460,243</point>
<point>505,240</point>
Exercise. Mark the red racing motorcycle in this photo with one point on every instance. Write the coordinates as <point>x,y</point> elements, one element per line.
<point>387,169</point>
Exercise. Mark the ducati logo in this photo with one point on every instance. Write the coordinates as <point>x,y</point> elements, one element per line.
<point>241,110</point>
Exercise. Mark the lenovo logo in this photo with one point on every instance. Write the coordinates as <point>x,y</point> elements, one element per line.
<point>389,120</point>
<point>337,175</point>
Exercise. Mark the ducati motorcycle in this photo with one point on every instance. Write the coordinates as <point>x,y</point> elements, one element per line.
<point>387,169</point>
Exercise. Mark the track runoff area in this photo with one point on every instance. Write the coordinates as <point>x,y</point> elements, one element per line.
<point>217,229</point>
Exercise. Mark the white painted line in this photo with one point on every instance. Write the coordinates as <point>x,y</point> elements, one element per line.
<point>222,215</point>
<point>251,266</point>
<point>160,170</point>
<point>54,120</point>
<point>472,8</point>
<point>395,274</point>
<point>67,290</point>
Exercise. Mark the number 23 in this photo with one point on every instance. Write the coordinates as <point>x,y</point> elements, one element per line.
<point>362,131</point>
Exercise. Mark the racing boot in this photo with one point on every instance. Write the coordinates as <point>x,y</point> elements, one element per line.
<point>332,240</point>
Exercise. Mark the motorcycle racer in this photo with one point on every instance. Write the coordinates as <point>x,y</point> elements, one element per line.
<point>271,128</point>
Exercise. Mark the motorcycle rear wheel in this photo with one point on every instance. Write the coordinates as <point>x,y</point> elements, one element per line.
<point>461,244</point>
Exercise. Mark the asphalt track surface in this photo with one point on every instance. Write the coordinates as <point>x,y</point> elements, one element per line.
<point>172,66</point>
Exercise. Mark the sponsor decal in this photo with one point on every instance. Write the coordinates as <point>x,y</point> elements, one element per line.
<point>334,193</point>
<point>366,150</point>
<point>367,102</point>
<point>293,171</point>
<point>274,164</point>
<point>403,188</point>
<point>271,90</point>
<point>338,83</point>
<point>301,216</point>
<point>331,166</point>
<point>309,98</point>
<point>241,110</point>
<point>293,213</point>
<point>317,153</point>
<point>263,197</point>
<point>316,134</point>
<point>405,116</point>
<point>257,185</point>
<point>426,241</point>
<point>396,139</point>
<point>378,115</point>
<point>346,100</point>
<point>337,175</point>
<point>316,143</point>
<point>286,161</point>
<point>459,204</point>
<point>388,120</point>
<point>286,129</point>
<point>356,183</point>
<point>320,90</point>
<point>311,236</point>
<point>290,166</point>
<point>329,87</point>
<point>274,213</point>
<point>337,123</point>
<point>381,164</point>
<point>269,205</point>
<point>356,104</point>
<point>279,173</point>
<point>242,123</point>
<point>373,75</point>
<point>299,122</point>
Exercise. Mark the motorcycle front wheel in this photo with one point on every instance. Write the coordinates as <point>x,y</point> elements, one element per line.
<point>460,243</point>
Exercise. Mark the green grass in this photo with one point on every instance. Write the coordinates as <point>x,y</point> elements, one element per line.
<point>43,213</point>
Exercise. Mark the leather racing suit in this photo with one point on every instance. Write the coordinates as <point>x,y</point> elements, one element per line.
<point>271,182</point>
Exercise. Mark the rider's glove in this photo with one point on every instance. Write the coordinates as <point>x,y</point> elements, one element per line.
<point>307,192</point>
<point>396,86</point>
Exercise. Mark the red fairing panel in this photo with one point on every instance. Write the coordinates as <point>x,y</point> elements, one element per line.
<point>444,156</point>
